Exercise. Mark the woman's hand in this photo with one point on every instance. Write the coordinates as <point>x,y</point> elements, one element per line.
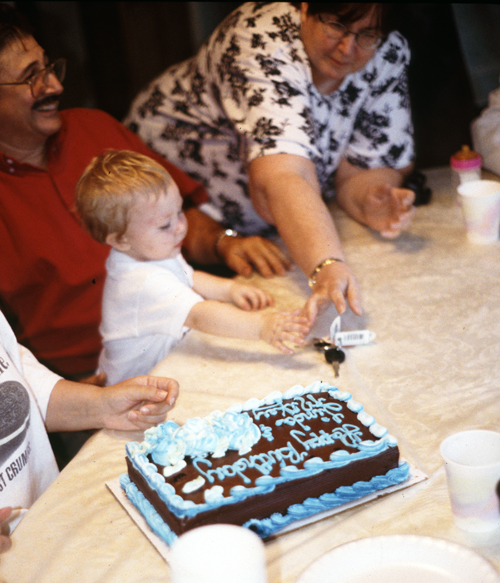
<point>374,198</point>
<point>285,191</point>
<point>387,209</point>
<point>334,283</point>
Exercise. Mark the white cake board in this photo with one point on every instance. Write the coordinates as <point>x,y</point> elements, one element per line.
<point>161,546</point>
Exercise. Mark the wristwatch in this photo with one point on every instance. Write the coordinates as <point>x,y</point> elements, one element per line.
<point>221,235</point>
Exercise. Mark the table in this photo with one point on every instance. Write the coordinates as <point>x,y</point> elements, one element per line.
<point>433,300</point>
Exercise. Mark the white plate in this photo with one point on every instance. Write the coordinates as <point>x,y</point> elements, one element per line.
<point>400,559</point>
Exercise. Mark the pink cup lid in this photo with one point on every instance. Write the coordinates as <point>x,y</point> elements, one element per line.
<point>465,160</point>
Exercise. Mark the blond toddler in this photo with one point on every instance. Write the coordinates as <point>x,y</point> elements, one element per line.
<point>152,297</point>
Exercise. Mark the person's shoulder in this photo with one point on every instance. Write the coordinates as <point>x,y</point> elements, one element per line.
<point>266,9</point>
<point>397,40</point>
<point>279,20</point>
<point>96,129</point>
<point>395,49</point>
<point>261,22</point>
<point>391,57</point>
<point>84,116</point>
<point>81,122</point>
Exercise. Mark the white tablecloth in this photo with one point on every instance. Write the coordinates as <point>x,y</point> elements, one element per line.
<point>433,300</point>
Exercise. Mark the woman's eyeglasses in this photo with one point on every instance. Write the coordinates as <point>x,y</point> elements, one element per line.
<point>365,39</point>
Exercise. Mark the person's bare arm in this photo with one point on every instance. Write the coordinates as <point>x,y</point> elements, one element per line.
<point>373,197</point>
<point>5,540</point>
<point>138,403</point>
<point>223,319</point>
<point>204,245</point>
<point>286,193</point>
<point>245,296</point>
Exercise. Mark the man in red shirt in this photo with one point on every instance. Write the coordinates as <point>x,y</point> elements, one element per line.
<point>52,271</point>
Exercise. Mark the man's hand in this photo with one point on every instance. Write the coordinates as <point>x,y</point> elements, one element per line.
<point>204,246</point>
<point>5,542</point>
<point>388,210</point>
<point>138,403</point>
<point>243,254</point>
<point>334,283</point>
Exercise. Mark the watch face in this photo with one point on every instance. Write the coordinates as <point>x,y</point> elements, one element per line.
<point>14,417</point>
<point>225,233</point>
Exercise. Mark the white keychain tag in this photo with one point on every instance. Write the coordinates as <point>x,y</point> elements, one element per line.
<point>351,338</point>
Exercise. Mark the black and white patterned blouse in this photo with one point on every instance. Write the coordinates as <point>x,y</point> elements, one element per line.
<point>249,92</point>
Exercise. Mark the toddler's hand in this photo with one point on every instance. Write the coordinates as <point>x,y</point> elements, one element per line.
<point>280,327</point>
<point>249,297</point>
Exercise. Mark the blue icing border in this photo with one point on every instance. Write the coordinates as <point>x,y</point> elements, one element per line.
<point>271,525</point>
<point>145,507</point>
<point>207,435</point>
<point>268,526</point>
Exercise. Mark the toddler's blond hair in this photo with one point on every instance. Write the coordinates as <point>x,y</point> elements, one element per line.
<point>111,184</point>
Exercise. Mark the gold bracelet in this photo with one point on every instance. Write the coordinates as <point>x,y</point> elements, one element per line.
<point>312,279</point>
<point>221,235</point>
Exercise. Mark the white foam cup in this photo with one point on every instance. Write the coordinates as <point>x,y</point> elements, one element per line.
<point>219,553</point>
<point>480,200</point>
<point>472,464</point>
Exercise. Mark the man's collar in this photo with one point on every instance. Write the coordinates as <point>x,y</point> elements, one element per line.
<point>11,165</point>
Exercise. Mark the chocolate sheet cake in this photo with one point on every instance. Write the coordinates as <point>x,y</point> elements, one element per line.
<point>262,464</point>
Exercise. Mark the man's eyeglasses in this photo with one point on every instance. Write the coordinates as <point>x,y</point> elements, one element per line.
<point>365,39</point>
<point>39,80</point>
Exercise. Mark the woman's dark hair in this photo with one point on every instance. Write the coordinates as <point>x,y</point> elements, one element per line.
<point>13,26</point>
<point>350,12</point>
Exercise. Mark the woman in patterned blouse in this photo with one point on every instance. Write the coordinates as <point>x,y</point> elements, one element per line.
<point>284,106</point>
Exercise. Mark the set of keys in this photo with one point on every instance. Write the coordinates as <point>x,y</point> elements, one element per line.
<point>333,355</point>
<point>332,348</point>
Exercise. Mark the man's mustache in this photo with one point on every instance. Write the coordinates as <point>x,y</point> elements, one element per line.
<point>48,100</point>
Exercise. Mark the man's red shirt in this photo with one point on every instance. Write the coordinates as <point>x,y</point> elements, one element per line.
<point>52,271</point>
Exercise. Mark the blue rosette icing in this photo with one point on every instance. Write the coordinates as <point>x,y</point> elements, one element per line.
<point>206,439</point>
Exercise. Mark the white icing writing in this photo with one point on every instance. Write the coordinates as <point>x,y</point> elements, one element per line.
<point>347,434</point>
<point>193,485</point>
<point>263,462</point>
<point>298,411</point>
<point>267,432</point>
